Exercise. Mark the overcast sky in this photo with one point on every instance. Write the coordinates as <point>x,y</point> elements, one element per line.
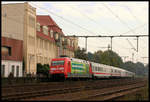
<point>102,18</point>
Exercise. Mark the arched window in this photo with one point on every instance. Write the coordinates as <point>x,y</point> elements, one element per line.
<point>45,30</point>
<point>51,33</point>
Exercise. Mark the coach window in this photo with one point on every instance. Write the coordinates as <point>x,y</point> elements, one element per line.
<point>100,68</point>
<point>92,68</point>
<point>97,68</point>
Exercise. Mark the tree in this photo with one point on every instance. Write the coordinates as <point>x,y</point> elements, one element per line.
<point>146,71</point>
<point>138,68</point>
<point>90,57</point>
<point>130,66</point>
<point>111,58</point>
<point>97,56</point>
<point>81,54</point>
<point>46,69</point>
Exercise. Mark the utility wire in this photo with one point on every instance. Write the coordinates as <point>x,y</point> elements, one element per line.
<point>63,18</point>
<point>27,24</point>
<point>131,45</point>
<point>83,14</point>
<point>118,17</point>
<point>132,14</point>
<point>138,27</point>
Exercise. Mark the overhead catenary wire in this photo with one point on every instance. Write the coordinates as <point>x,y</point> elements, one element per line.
<point>15,20</point>
<point>130,29</point>
<point>130,11</point>
<point>85,15</point>
<point>63,18</point>
<point>118,17</point>
<point>120,20</point>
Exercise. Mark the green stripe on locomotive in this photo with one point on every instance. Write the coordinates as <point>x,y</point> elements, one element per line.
<point>77,67</point>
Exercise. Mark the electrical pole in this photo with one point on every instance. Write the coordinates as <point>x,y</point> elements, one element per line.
<point>106,47</point>
<point>111,42</point>
<point>125,57</point>
<point>144,58</point>
<point>137,42</point>
<point>132,57</point>
<point>86,43</point>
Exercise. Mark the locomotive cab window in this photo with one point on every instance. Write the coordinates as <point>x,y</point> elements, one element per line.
<point>56,63</point>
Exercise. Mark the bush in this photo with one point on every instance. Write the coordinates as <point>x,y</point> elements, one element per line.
<point>42,70</point>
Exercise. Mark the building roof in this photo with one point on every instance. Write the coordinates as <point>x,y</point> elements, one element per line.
<point>48,21</point>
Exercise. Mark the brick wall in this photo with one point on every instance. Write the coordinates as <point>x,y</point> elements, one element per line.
<point>16,49</point>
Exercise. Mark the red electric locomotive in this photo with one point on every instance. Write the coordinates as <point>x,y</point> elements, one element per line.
<point>70,68</point>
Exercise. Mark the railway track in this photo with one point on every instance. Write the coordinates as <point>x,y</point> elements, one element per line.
<point>43,86</point>
<point>112,94</point>
<point>98,94</point>
<point>64,89</point>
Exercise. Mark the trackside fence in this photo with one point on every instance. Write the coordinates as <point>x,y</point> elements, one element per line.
<point>23,80</point>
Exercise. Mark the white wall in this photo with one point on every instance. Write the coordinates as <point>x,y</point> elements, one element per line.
<point>8,67</point>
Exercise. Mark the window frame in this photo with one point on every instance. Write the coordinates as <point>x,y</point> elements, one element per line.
<point>3,70</point>
<point>13,69</point>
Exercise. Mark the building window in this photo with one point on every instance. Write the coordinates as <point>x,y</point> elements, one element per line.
<point>6,51</point>
<point>45,44</point>
<point>3,71</point>
<point>13,69</point>
<point>31,21</point>
<point>68,42</point>
<point>41,43</point>
<point>51,33</point>
<point>17,71</point>
<point>38,43</point>
<point>38,27</point>
<point>72,43</point>
<point>45,30</point>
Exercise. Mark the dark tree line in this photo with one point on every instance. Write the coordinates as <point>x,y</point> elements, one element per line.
<point>109,57</point>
